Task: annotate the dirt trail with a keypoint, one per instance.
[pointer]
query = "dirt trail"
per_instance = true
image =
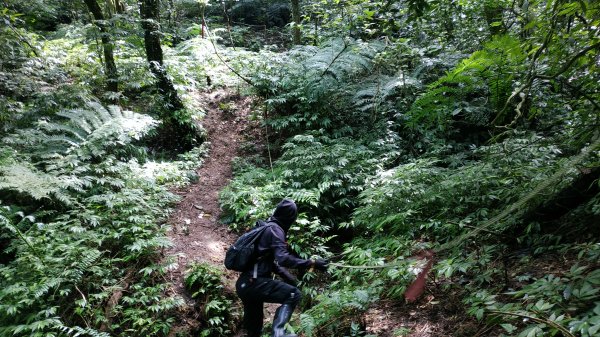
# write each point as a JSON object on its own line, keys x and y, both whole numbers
{"x": 197, "y": 234}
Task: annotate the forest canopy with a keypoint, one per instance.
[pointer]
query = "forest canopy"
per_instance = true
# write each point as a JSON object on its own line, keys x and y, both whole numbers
{"x": 467, "y": 128}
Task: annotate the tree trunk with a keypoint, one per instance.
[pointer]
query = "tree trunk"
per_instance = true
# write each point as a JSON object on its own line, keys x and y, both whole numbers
{"x": 203, "y": 23}
{"x": 119, "y": 7}
{"x": 177, "y": 131}
{"x": 226, "y": 18}
{"x": 150, "y": 23}
{"x": 296, "y": 19}
{"x": 112, "y": 81}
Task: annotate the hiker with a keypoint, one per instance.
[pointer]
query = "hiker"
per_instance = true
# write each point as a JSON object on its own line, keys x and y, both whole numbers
{"x": 256, "y": 286}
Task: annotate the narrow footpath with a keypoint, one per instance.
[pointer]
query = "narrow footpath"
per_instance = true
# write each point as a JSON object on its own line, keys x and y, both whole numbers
{"x": 197, "y": 235}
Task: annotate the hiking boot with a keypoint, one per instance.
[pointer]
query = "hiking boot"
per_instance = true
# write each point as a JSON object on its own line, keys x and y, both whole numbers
{"x": 282, "y": 316}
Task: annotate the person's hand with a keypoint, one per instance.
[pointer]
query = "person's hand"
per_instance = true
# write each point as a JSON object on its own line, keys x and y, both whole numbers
{"x": 321, "y": 264}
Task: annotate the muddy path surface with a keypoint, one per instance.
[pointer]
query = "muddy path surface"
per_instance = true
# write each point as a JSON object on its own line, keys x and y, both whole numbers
{"x": 197, "y": 234}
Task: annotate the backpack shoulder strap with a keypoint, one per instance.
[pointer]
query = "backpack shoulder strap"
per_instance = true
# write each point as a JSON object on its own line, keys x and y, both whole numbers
{"x": 263, "y": 227}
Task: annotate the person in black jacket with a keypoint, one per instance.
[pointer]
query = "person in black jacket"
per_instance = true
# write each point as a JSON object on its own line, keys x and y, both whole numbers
{"x": 256, "y": 286}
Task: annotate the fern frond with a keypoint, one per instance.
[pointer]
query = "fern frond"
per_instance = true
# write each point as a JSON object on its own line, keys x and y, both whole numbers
{"x": 35, "y": 327}
{"x": 81, "y": 118}
{"x": 96, "y": 129}
{"x": 45, "y": 286}
{"x": 91, "y": 256}
{"x": 339, "y": 59}
{"x": 106, "y": 114}
{"x": 465, "y": 90}
{"x": 84, "y": 119}
{"x": 65, "y": 129}
{"x": 28, "y": 180}
{"x": 79, "y": 331}
{"x": 62, "y": 139}
{"x": 380, "y": 88}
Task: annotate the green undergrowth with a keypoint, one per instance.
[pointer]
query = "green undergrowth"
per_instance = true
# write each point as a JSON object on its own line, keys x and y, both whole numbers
{"x": 412, "y": 160}
{"x": 84, "y": 197}
{"x": 82, "y": 228}
{"x": 205, "y": 285}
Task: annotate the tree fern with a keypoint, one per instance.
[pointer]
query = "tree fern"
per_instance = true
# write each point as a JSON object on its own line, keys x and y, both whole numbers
{"x": 483, "y": 81}
{"x": 59, "y": 155}
{"x": 90, "y": 132}
{"x": 315, "y": 83}
{"x": 371, "y": 95}
{"x": 340, "y": 58}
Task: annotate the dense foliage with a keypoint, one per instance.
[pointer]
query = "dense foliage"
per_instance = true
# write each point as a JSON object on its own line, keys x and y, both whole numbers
{"x": 204, "y": 283}
{"x": 471, "y": 128}
{"x": 75, "y": 216}
{"x": 455, "y": 126}
{"x": 84, "y": 195}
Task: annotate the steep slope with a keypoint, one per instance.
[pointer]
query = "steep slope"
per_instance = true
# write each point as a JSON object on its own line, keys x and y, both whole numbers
{"x": 197, "y": 235}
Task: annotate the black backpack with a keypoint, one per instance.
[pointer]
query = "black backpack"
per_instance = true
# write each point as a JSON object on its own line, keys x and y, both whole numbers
{"x": 243, "y": 253}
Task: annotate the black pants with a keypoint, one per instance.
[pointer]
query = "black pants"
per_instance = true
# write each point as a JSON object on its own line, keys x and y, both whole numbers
{"x": 255, "y": 292}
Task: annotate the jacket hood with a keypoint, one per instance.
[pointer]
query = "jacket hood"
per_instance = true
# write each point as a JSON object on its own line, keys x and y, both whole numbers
{"x": 285, "y": 213}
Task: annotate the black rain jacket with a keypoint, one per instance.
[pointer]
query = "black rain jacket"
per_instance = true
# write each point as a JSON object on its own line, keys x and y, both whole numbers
{"x": 273, "y": 253}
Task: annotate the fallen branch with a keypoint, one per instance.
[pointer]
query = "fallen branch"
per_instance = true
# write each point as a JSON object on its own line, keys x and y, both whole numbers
{"x": 535, "y": 319}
